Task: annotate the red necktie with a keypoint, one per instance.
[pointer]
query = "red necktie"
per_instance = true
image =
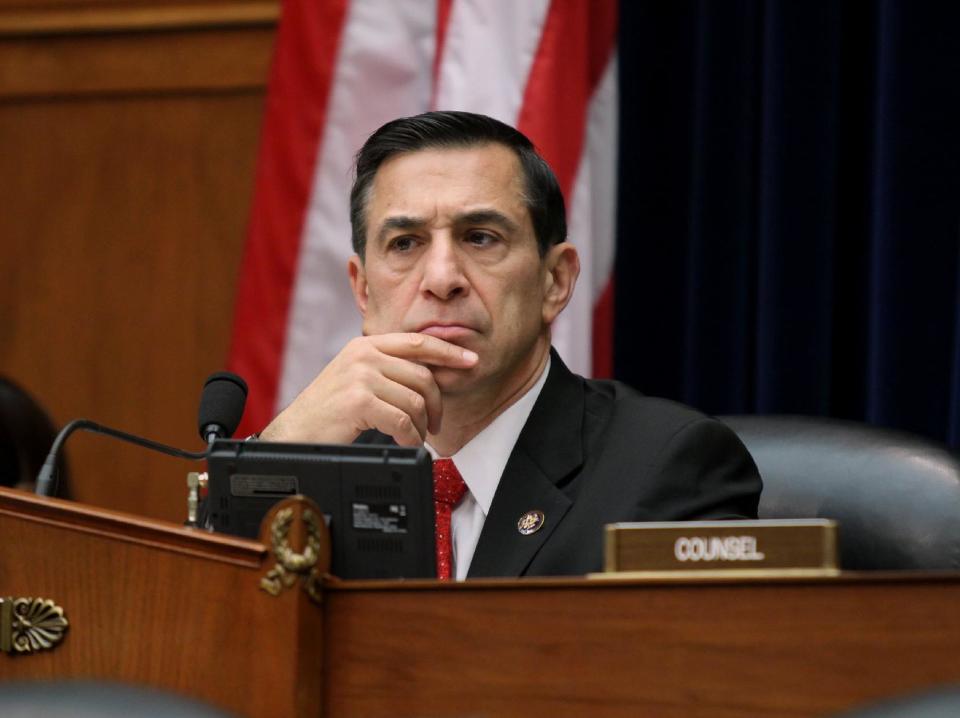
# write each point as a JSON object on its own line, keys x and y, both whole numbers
{"x": 448, "y": 489}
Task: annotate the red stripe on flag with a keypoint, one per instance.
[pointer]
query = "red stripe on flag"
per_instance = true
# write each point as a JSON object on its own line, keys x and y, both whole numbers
{"x": 301, "y": 77}
{"x": 443, "y": 22}
{"x": 603, "y": 333}
{"x": 566, "y": 71}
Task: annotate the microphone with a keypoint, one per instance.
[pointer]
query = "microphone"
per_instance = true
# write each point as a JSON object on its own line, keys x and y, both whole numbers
{"x": 221, "y": 406}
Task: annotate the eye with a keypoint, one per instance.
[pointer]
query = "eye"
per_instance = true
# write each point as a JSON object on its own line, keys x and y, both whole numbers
{"x": 401, "y": 244}
{"x": 481, "y": 238}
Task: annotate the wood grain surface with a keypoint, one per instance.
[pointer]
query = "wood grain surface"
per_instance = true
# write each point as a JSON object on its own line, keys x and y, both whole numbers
{"x": 153, "y": 603}
{"x": 150, "y": 602}
{"x": 126, "y": 172}
{"x": 684, "y": 649}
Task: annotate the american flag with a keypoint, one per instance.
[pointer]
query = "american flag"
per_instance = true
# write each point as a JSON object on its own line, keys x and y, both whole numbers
{"x": 342, "y": 68}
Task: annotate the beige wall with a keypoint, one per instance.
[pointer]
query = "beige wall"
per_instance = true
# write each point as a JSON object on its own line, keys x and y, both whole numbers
{"x": 128, "y": 135}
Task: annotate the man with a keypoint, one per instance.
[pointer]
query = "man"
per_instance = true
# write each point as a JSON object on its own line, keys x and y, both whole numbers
{"x": 461, "y": 266}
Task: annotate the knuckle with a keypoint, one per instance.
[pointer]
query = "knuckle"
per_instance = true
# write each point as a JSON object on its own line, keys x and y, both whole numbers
{"x": 419, "y": 404}
{"x": 403, "y": 423}
{"x": 423, "y": 374}
{"x": 416, "y": 340}
{"x": 359, "y": 398}
{"x": 363, "y": 373}
{"x": 355, "y": 348}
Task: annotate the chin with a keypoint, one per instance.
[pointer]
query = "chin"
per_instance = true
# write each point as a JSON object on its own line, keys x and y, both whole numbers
{"x": 453, "y": 381}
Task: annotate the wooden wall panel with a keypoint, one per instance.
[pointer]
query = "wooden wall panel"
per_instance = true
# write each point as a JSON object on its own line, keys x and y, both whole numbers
{"x": 128, "y": 135}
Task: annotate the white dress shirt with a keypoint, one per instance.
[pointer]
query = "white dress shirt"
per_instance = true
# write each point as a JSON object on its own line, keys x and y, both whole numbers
{"x": 481, "y": 462}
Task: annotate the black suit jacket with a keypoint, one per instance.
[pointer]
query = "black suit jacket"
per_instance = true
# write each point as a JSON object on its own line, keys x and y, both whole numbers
{"x": 597, "y": 452}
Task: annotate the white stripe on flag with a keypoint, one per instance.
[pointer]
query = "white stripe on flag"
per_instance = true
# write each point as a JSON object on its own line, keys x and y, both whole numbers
{"x": 592, "y": 212}
{"x": 384, "y": 71}
{"x": 489, "y": 48}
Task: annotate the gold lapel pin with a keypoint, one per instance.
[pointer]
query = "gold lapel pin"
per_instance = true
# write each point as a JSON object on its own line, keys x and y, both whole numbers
{"x": 530, "y": 522}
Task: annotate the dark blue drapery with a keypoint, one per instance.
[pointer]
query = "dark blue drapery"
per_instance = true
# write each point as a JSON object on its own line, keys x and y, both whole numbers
{"x": 789, "y": 208}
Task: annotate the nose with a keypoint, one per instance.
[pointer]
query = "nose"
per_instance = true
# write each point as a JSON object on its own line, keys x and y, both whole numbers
{"x": 443, "y": 275}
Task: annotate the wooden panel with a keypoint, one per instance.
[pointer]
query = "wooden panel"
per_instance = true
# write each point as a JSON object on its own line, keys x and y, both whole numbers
{"x": 126, "y": 171}
{"x": 154, "y": 604}
{"x": 672, "y": 650}
{"x": 135, "y": 62}
{"x": 85, "y": 17}
{"x": 144, "y": 8}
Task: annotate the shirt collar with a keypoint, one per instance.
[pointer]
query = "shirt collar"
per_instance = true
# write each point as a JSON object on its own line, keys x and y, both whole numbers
{"x": 481, "y": 460}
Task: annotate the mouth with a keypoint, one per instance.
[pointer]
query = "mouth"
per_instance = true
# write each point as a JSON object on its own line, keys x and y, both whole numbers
{"x": 448, "y": 332}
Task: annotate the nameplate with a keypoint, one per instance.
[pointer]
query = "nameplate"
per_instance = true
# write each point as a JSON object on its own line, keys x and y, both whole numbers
{"x": 695, "y": 546}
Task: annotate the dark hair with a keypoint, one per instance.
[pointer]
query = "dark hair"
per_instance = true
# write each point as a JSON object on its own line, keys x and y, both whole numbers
{"x": 26, "y": 434}
{"x": 431, "y": 130}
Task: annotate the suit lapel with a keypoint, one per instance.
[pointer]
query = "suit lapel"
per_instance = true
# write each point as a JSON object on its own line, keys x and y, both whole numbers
{"x": 548, "y": 449}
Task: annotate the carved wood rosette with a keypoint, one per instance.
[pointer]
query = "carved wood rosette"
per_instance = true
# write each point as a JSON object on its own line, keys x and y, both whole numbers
{"x": 28, "y": 625}
{"x": 296, "y": 522}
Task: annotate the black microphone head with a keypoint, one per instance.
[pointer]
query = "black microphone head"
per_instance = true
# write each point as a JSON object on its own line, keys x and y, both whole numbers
{"x": 221, "y": 404}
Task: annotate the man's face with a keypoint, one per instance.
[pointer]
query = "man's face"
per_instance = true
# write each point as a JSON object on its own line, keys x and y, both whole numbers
{"x": 451, "y": 252}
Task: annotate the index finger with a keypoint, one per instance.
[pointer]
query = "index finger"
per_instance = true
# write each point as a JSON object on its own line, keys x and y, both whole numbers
{"x": 425, "y": 349}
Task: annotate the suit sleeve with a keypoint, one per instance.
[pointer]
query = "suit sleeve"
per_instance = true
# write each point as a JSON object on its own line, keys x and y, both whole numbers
{"x": 710, "y": 473}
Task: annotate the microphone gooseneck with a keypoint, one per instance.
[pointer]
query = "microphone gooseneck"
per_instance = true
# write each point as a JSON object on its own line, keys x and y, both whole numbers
{"x": 46, "y": 479}
{"x": 221, "y": 407}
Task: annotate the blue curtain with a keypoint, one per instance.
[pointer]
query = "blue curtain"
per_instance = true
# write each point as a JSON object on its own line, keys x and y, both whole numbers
{"x": 789, "y": 209}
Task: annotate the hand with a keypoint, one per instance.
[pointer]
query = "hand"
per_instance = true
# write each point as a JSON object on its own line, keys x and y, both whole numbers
{"x": 378, "y": 382}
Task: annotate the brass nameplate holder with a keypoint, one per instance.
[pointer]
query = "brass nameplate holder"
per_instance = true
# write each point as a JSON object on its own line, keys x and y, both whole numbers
{"x": 723, "y": 548}
{"x": 28, "y": 625}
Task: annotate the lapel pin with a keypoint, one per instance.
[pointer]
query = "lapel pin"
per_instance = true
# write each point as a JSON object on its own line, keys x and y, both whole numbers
{"x": 530, "y": 522}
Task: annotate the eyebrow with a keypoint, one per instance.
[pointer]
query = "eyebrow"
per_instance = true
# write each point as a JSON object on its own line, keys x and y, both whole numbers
{"x": 487, "y": 216}
{"x": 402, "y": 222}
{"x": 480, "y": 216}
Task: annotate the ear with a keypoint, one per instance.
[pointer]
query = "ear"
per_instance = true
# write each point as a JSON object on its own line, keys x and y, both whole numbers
{"x": 561, "y": 268}
{"x": 358, "y": 283}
